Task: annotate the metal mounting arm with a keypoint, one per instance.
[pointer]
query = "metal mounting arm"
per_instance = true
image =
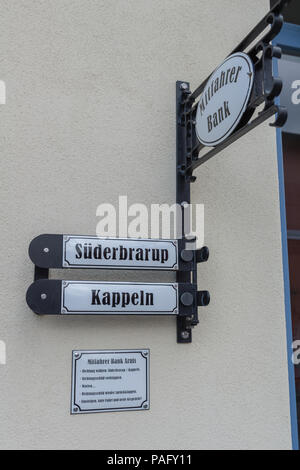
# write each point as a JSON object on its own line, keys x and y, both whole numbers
{"x": 189, "y": 150}
{"x": 266, "y": 88}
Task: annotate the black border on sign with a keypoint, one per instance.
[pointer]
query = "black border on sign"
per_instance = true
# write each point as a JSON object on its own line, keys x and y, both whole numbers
{"x": 124, "y": 266}
{"x": 110, "y": 351}
{"x": 250, "y": 86}
{"x": 118, "y": 312}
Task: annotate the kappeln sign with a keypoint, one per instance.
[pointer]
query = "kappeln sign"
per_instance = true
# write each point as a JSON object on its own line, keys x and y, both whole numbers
{"x": 118, "y": 297}
{"x": 56, "y": 297}
{"x": 224, "y": 99}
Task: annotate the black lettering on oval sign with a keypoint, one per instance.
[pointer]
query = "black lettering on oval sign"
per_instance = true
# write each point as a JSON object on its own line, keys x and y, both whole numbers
{"x": 224, "y": 99}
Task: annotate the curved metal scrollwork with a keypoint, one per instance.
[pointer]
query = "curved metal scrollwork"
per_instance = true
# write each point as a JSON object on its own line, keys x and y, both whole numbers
{"x": 265, "y": 89}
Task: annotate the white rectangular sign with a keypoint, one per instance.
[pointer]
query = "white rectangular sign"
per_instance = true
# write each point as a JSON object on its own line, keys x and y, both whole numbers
{"x": 121, "y": 253}
{"x": 118, "y": 298}
{"x": 110, "y": 380}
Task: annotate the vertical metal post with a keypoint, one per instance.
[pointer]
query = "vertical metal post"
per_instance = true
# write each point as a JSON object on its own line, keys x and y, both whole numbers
{"x": 184, "y": 333}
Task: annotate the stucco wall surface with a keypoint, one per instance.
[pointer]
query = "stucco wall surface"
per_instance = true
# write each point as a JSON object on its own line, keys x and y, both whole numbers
{"x": 90, "y": 115}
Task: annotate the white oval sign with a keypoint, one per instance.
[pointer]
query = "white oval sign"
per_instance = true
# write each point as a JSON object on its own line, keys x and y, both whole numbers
{"x": 224, "y": 99}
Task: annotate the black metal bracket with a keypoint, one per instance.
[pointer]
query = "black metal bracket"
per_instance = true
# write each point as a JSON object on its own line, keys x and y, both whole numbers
{"x": 44, "y": 296}
{"x": 189, "y": 150}
{"x": 265, "y": 89}
{"x": 183, "y": 197}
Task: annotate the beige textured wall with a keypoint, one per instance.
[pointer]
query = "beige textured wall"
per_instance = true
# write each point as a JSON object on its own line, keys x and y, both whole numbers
{"x": 90, "y": 116}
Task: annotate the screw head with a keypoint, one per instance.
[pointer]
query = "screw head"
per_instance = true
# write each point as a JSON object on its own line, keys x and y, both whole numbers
{"x": 43, "y": 296}
{"x": 145, "y": 406}
{"x": 75, "y": 410}
{"x": 46, "y": 250}
{"x": 184, "y": 86}
{"x": 185, "y": 335}
{"x": 76, "y": 354}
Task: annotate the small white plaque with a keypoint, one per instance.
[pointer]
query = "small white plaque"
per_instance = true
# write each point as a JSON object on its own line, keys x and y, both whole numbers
{"x": 110, "y": 380}
{"x": 121, "y": 253}
{"x": 79, "y": 297}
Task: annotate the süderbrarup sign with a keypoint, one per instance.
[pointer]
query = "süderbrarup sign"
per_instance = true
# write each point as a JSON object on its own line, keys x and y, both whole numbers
{"x": 224, "y": 99}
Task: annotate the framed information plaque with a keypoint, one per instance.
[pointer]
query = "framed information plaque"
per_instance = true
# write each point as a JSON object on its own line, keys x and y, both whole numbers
{"x": 110, "y": 380}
